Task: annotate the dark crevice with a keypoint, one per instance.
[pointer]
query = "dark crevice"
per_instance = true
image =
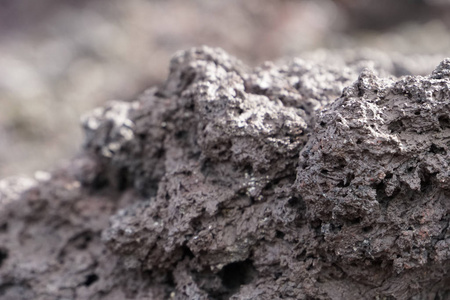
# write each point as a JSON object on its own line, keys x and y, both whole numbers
{"x": 444, "y": 122}
{"x": 381, "y": 197}
{"x": 180, "y": 135}
{"x": 367, "y": 229}
{"x": 361, "y": 90}
{"x": 100, "y": 182}
{"x": 355, "y": 221}
{"x": 187, "y": 252}
{"x": 90, "y": 279}
{"x": 346, "y": 182}
{"x": 437, "y": 149}
{"x": 160, "y": 153}
{"x": 82, "y": 240}
{"x": 122, "y": 179}
{"x": 186, "y": 79}
{"x": 279, "y": 234}
{"x": 273, "y": 183}
{"x": 248, "y": 168}
{"x": 335, "y": 228}
{"x": 170, "y": 281}
{"x": 297, "y": 203}
{"x": 3, "y": 256}
{"x": 426, "y": 181}
{"x": 396, "y": 126}
{"x": 236, "y": 274}
{"x": 225, "y": 283}
{"x": 301, "y": 256}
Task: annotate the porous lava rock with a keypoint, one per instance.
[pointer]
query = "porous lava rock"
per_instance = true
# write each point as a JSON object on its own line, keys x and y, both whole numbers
{"x": 307, "y": 179}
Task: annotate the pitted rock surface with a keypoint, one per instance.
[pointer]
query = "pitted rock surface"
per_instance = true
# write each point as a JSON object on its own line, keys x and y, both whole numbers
{"x": 307, "y": 179}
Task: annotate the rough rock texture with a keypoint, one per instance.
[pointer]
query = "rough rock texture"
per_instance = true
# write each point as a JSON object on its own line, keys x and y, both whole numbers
{"x": 238, "y": 183}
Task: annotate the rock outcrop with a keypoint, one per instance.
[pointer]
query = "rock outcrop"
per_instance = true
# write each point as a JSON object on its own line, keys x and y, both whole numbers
{"x": 321, "y": 179}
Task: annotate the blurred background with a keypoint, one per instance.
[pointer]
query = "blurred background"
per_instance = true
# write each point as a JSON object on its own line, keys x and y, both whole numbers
{"x": 60, "y": 58}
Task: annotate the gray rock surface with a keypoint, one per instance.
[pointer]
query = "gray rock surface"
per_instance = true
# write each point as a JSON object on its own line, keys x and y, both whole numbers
{"x": 308, "y": 179}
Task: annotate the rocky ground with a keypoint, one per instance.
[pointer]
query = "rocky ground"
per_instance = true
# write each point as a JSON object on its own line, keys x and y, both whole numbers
{"x": 232, "y": 182}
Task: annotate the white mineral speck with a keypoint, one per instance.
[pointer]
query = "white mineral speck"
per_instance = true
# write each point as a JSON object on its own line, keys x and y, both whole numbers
{"x": 127, "y": 133}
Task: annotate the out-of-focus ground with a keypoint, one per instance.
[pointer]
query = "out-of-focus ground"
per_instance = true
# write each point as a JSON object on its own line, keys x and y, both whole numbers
{"x": 59, "y": 59}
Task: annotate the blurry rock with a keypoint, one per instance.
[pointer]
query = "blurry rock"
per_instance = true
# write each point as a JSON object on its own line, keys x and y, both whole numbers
{"x": 385, "y": 14}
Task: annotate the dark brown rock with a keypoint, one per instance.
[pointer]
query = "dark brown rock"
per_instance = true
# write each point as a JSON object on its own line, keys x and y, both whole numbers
{"x": 232, "y": 183}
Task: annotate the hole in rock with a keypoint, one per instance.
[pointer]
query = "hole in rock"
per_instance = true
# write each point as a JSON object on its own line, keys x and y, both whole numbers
{"x": 367, "y": 229}
{"x": 122, "y": 179}
{"x": 160, "y": 153}
{"x": 82, "y": 240}
{"x": 381, "y": 197}
{"x": 437, "y": 150}
{"x": 3, "y": 255}
{"x": 238, "y": 273}
{"x": 170, "y": 280}
{"x": 90, "y": 279}
{"x": 101, "y": 181}
{"x": 182, "y": 134}
{"x": 355, "y": 221}
{"x": 278, "y": 182}
{"x": 299, "y": 205}
{"x": 279, "y": 234}
{"x": 187, "y": 78}
{"x": 187, "y": 252}
{"x": 277, "y": 275}
{"x": 396, "y": 126}
{"x": 340, "y": 164}
{"x": 444, "y": 122}
{"x": 248, "y": 168}
{"x": 426, "y": 182}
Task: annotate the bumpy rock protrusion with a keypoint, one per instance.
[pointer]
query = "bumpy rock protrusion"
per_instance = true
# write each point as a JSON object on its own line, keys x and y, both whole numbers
{"x": 375, "y": 179}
